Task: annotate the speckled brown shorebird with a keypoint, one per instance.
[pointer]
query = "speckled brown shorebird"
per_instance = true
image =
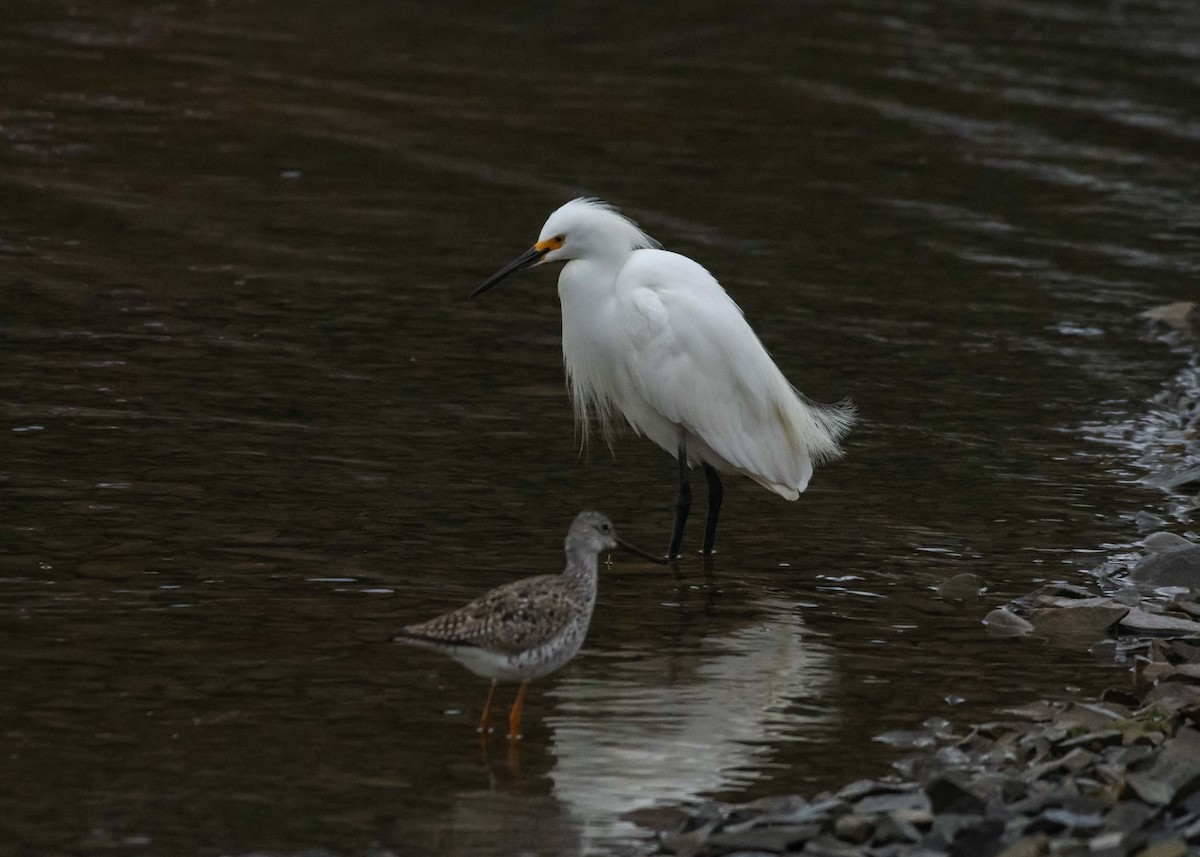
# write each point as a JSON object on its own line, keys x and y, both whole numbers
{"x": 528, "y": 628}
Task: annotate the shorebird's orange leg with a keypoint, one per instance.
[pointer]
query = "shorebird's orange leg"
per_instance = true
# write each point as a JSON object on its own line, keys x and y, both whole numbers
{"x": 514, "y": 716}
{"x": 485, "y": 722}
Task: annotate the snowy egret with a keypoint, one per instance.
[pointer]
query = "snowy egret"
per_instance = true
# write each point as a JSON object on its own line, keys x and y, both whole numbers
{"x": 528, "y": 628}
{"x": 652, "y": 335}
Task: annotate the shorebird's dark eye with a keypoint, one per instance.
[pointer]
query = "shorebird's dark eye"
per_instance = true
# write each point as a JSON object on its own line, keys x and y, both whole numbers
{"x": 604, "y": 528}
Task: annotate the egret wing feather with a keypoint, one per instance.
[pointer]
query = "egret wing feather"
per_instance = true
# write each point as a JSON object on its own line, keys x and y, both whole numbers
{"x": 682, "y": 356}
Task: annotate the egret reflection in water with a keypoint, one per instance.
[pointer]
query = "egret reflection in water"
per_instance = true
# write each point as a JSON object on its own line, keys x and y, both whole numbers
{"x": 649, "y": 729}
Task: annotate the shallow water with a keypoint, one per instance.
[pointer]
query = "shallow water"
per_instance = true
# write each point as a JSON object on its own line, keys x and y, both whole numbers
{"x": 252, "y": 425}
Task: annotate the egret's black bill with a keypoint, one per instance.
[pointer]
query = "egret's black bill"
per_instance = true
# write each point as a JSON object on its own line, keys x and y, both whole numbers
{"x": 634, "y": 549}
{"x": 529, "y": 257}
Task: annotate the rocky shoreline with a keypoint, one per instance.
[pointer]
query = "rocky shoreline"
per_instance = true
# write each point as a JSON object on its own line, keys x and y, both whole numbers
{"x": 1115, "y": 777}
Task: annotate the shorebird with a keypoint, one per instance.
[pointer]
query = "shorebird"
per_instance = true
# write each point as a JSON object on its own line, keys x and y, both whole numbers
{"x": 528, "y": 628}
{"x": 651, "y": 335}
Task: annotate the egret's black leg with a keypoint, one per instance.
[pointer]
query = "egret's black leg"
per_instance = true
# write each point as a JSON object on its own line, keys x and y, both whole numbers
{"x": 682, "y": 506}
{"x": 715, "y": 494}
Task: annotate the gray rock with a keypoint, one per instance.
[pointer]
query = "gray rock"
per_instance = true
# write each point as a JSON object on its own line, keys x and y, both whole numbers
{"x": 894, "y": 802}
{"x": 1127, "y": 817}
{"x": 1068, "y": 601}
{"x": 947, "y": 827}
{"x": 1100, "y": 738}
{"x": 854, "y": 827}
{"x": 862, "y": 788}
{"x": 1173, "y": 847}
{"x": 1180, "y": 315}
{"x": 907, "y": 739}
{"x": 891, "y": 829}
{"x": 1138, "y": 621}
{"x": 1110, "y": 844}
{"x": 1090, "y": 620}
{"x": 826, "y": 846}
{"x": 1178, "y": 566}
{"x": 1058, "y": 587}
{"x": 1170, "y": 479}
{"x": 1145, "y": 522}
{"x": 1078, "y": 760}
{"x": 1164, "y": 541}
{"x": 961, "y": 587}
{"x": 1027, "y": 846}
{"x": 1074, "y": 821}
{"x": 771, "y": 839}
{"x": 818, "y": 811}
{"x": 1187, "y": 605}
{"x": 1002, "y": 622}
{"x": 952, "y": 793}
{"x": 1175, "y": 772}
{"x": 982, "y": 837}
{"x": 779, "y": 806}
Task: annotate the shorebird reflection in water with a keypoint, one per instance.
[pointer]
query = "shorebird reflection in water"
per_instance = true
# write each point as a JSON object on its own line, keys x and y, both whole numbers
{"x": 528, "y": 628}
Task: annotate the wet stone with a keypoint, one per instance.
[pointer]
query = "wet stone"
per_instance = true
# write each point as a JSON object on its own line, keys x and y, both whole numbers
{"x": 1174, "y": 696}
{"x": 1077, "y": 760}
{"x": 775, "y": 840}
{"x": 1058, "y": 587}
{"x": 891, "y": 803}
{"x": 952, "y": 793}
{"x": 854, "y": 827}
{"x": 1035, "y": 711}
{"x": 1187, "y": 605}
{"x": 782, "y": 806}
{"x": 892, "y": 829}
{"x": 1178, "y": 566}
{"x": 1027, "y": 846}
{"x": 1074, "y": 821}
{"x": 1164, "y": 541}
{"x": 818, "y": 811}
{"x": 827, "y": 846}
{"x": 1089, "y": 620}
{"x": 1175, "y": 773}
{"x": 1138, "y": 621}
{"x": 947, "y": 827}
{"x": 1002, "y": 622}
{"x": 979, "y": 838}
{"x": 1180, "y": 316}
{"x": 1093, "y": 740}
{"x": 862, "y": 788}
{"x": 1173, "y": 847}
{"x": 961, "y": 587}
{"x": 1111, "y": 844}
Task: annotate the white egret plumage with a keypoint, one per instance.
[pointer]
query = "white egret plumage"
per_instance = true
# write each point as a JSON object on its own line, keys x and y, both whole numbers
{"x": 651, "y": 335}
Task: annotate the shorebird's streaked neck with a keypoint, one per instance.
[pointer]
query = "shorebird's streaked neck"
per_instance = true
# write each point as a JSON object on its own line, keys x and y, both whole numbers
{"x": 582, "y": 563}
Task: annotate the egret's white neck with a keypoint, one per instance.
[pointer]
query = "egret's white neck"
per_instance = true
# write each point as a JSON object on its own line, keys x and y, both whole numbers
{"x": 593, "y": 277}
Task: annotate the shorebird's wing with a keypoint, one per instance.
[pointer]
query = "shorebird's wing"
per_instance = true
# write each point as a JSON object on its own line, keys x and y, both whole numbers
{"x": 510, "y": 619}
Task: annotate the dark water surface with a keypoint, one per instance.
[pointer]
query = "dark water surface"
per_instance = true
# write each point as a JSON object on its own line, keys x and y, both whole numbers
{"x": 250, "y": 424}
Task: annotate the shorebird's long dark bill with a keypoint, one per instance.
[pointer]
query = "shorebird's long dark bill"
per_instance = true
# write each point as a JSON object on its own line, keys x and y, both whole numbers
{"x": 634, "y": 549}
{"x": 530, "y": 257}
